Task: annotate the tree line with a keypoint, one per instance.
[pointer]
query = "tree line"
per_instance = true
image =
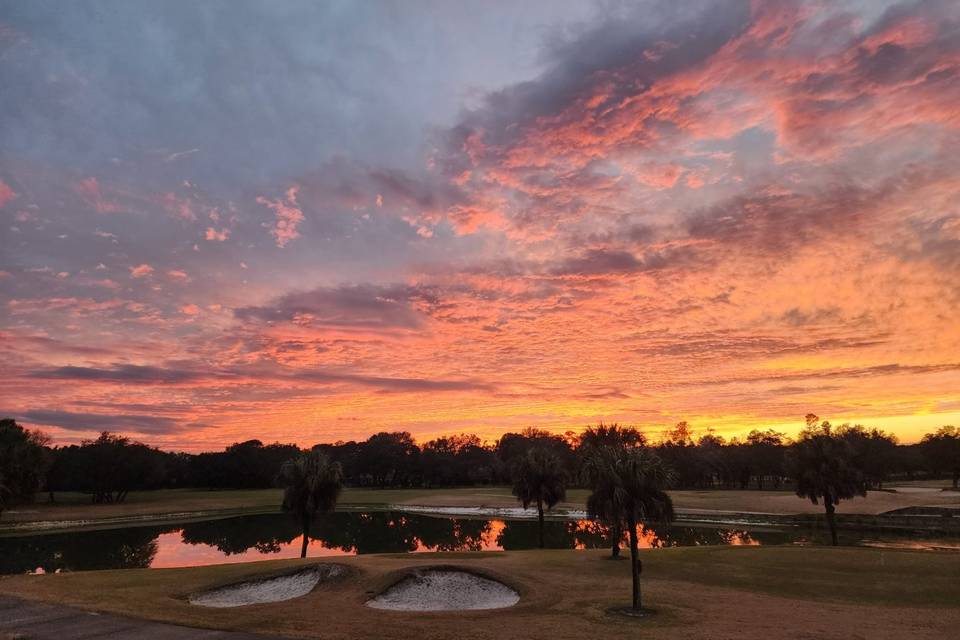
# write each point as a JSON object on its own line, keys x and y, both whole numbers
{"x": 110, "y": 466}
{"x": 628, "y": 477}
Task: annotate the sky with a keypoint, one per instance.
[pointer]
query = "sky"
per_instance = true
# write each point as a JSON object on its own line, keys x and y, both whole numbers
{"x": 312, "y": 221}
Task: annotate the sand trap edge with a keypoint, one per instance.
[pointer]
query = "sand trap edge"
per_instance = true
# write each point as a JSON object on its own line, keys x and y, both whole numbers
{"x": 325, "y": 574}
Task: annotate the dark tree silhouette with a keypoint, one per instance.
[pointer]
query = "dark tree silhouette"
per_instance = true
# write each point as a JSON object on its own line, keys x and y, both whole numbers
{"x": 765, "y": 450}
{"x": 112, "y": 465}
{"x": 311, "y": 484}
{"x": 389, "y": 459}
{"x": 942, "y": 450}
{"x": 4, "y": 494}
{"x": 23, "y": 462}
{"x": 874, "y": 452}
{"x": 539, "y": 478}
{"x": 822, "y": 464}
{"x": 629, "y": 485}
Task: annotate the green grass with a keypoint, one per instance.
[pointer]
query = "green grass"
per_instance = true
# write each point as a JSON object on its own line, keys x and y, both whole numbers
{"x": 768, "y": 592}
{"x": 842, "y": 574}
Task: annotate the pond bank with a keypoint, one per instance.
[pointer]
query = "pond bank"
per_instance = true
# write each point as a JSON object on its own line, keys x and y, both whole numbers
{"x": 713, "y": 506}
{"x": 944, "y": 520}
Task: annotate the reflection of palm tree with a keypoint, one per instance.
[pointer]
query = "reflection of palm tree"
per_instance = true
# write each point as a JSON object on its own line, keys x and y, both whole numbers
{"x": 539, "y": 479}
{"x": 267, "y": 533}
{"x": 311, "y": 484}
{"x": 525, "y": 534}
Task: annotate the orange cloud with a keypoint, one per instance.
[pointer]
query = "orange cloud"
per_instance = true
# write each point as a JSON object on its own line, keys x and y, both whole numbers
{"x": 141, "y": 271}
{"x": 217, "y": 236}
{"x": 6, "y": 194}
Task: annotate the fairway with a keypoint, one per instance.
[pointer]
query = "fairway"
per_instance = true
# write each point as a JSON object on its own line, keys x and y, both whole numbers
{"x": 72, "y": 510}
{"x": 772, "y": 592}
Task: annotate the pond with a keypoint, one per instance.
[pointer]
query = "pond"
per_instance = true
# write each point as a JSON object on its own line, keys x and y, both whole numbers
{"x": 259, "y": 537}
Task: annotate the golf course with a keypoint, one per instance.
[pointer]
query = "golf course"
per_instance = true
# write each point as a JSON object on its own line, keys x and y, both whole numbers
{"x": 728, "y": 592}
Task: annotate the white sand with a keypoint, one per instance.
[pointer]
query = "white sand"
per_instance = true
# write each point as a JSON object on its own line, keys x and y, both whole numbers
{"x": 276, "y": 589}
{"x": 445, "y": 590}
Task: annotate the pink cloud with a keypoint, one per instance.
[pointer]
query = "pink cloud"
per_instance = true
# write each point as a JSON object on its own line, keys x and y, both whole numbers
{"x": 89, "y": 190}
{"x": 288, "y": 216}
{"x": 177, "y": 274}
{"x": 179, "y": 207}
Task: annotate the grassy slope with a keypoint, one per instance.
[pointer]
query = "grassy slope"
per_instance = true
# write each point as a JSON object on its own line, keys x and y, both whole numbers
{"x": 715, "y": 592}
{"x": 76, "y": 507}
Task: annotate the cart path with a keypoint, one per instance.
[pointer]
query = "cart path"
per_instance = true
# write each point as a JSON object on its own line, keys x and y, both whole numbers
{"x": 40, "y": 621}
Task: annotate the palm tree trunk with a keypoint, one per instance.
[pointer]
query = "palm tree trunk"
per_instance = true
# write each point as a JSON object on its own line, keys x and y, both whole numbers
{"x": 540, "y": 518}
{"x": 306, "y": 537}
{"x": 615, "y": 536}
{"x": 634, "y": 563}
{"x": 831, "y": 520}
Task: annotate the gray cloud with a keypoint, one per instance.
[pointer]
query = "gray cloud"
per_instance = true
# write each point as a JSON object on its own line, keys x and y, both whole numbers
{"x": 150, "y": 376}
{"x": 360, "y": 306}
{"x": 598, "y": 261}
{"x": 95, "y": 80}
{"x": 154, "y": 425}
{"x": 891, "y": 369}
{"x": 393, "y": 384}
{"x": 124, "y": 373}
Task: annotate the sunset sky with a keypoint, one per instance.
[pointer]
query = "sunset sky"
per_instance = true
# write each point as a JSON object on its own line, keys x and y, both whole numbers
{"x": 313, "y": 221}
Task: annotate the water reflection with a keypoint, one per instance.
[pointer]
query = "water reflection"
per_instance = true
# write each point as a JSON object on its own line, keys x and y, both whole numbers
{"x": 248, "y": 538}
{"x": 109, "y": 549}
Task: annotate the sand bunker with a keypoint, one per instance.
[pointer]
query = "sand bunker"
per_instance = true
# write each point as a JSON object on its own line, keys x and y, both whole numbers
{"x": 274, "y": 589}
{"x": 445, "y": 590}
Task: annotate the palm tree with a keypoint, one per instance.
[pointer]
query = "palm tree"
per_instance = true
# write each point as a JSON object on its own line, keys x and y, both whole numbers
{"x": 629, "y": 487}
{"x": 821, "y": 464}
{"x": 4, "y": 492}
{"x": 592, "y": 440}
{"x": 311, "y": 484}
{"x": 539, "y": 478}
